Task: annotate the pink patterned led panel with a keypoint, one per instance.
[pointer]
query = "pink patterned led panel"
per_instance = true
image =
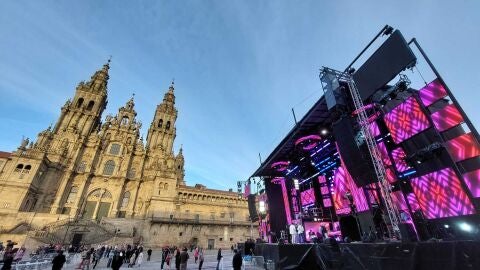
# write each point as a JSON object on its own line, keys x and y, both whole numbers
{"x": 398, "y": 156}
{"x": 463, "y": 147}
{"x": 343, "y": 184}
{"x": 447, "y": 117}
{"x": 390, "y": 176}
{"x": 412, "y": 200}
{"x": 399, "y": 200}
{"x": 384, "y": 153}
{"x": 440, "y": 195}
{"x": 472, "y": 179}
{"x": 374, "y": 129}
{"x": 324, "y": 190}
{"x": 327, "y": 202}
{"x": 406, "y": 120}
{"x": 307, "y": 197}
{"x": 432, "y": 92}
{"x": 322, "y": 179}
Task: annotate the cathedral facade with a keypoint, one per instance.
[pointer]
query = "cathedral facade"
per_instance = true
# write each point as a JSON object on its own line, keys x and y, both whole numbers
{"x": 84, "y": 168}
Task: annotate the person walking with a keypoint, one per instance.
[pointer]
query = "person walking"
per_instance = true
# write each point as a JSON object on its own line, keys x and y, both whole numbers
{"x": 140, "y": 259}
{"x": 195, "y": 254}
{"x": 219, "y": 258}
{"x": 117, "y": 259}
{"x": 58, "y": 261}
{"x": 237, "y": 260}
{"x": 149, "y": 254}
{"x": 184, "y": 259}
{"x": 201, "y": 258}
{"x": 177, "y": 259}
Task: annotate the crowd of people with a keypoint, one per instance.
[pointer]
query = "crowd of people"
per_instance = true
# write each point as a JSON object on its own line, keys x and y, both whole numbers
{"x": 125, "y": 256}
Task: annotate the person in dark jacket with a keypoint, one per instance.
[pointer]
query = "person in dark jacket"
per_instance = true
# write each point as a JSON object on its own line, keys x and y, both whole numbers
{"x": 219, "y": 258}
{"x": 58, "y": 261}
{"x": 237, "y": 260}
{"x": 184, "y": 259}
{"x": 117, "y": 260}
{"x": 177, "y": 259}
{"x": 149, "y": 253}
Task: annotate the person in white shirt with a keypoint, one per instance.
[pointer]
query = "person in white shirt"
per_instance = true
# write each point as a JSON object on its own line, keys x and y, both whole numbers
{"x": 293, "y": 233}
{"x": 300, "y": 231}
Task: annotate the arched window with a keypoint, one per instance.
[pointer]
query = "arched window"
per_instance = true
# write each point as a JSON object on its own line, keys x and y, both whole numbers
{"x": 115, "y": 149}
{"x": 90, "y": 105}
{"x": 167, "y": 126}
{"x": 126, "y": 198}
{"x": 165, "y": 186}
{"x": 28, "y": 167}
{"x": 19, "y": 168}
{"x": 109, "y": 167}
{"x": 160, "y": 123}
{"x": 72, "y": 195}
{"x": 81, "y": 166}
{"x": 125, "y": 120}
{"x": 79, "y": 102}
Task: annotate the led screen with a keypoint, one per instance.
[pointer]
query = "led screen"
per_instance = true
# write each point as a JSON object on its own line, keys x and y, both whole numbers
{"x": 398, "y": 156}
{"x": 440, "y": 195}
{"x": 463, "y": 147}
{"x": 432, "y": 92}
{"x": 447, "y": 117}
{"x": 406, "y": 120}
{"x": 472, "y": 179}
{"x": 307, "y": 197}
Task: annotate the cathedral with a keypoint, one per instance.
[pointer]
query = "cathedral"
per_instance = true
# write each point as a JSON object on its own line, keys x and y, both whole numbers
{"x": 85, "y": 180}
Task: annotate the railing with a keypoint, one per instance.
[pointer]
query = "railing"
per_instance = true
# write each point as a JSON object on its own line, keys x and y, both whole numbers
{"x": 194, "y": 221}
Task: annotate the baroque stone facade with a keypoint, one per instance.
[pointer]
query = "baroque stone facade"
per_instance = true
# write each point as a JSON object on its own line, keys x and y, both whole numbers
{"x": 86, "y": 168}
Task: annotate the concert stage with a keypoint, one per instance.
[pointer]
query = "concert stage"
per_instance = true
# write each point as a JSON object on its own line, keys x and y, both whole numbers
{"x": 447, "y": 255}
{"x": 383, "y": 154}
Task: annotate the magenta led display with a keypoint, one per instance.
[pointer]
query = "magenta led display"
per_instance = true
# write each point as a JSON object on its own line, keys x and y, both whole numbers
{"x": 440, "y": 195}
{"x": 447, "y": 117}
{"x": 472, "y": 179}
{"x": 384, "y": 153}
{"x": 406, "y": 120}
{"x": 432, "y": 92}
{"x": 307, "y": 197}
{"x": 399, "y": 156}
{"x": 412, "y": 200}
{"x": 463, "y": 147}
{"x": 343, "y": 184}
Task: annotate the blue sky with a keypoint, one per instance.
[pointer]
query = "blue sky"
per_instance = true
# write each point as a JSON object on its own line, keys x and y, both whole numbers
{"x": 239, "y": 66}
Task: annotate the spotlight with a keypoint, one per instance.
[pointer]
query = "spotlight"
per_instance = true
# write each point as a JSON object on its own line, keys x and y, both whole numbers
{"x": 351, "y": 70}
{"x": 324, "y": 131}
{"x": 446, "y": 226}
{"x": 296, "y": 184}
{"x": 465, "y": 227}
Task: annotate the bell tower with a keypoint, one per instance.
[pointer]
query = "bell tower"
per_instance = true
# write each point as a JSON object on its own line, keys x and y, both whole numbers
{"x": 162, "y": 131}
{"x": 82, "y": 114}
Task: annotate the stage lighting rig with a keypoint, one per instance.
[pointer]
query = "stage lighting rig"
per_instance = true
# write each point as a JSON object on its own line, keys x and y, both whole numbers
{"x": 424, "y": 154}
{"x": 388, "y": 30}
{"x": 383, "y": 96}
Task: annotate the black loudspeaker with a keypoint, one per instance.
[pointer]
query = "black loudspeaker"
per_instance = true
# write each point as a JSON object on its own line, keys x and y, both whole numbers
{"x": 407, "y": 232}
{"x": 354, "y": 152}
{"x": 252, "y": 208}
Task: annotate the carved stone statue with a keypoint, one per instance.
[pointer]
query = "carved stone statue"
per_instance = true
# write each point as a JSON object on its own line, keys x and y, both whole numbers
{"x": 24, "y": 143}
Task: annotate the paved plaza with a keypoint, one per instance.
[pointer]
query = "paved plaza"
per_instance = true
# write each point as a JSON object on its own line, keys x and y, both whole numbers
{"x": 156, "y": 261}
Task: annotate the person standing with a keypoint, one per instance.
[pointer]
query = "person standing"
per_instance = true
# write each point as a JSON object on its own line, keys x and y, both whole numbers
{"x": 219, "y": 258}
{"x": 293, "y": 233}
{"x": 140, "y": 259}
{"x": 58, "y": 261}
{"x": 184, "y": 259}
{"x": 237, "y": 260}
{"x": 177, "y": 259}
{"x": 201, "y": 258}
{"x": 149, "y": 254}
{"x": 117, "y": 259}
{"x": 300, "y": 232}
{"x": 195, "y": 254}
{"x": 165, "y": 252}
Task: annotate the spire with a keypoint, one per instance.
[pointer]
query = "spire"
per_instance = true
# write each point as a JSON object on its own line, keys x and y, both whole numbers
{"x": 98, "y": 82}
{"x": 169, "y": 97}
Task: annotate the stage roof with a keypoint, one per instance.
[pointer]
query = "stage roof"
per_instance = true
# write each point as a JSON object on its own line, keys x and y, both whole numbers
{"x": 315, "y": 119}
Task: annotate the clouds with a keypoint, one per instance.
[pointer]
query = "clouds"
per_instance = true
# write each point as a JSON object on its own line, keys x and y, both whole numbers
{"x": 240, "y": 66}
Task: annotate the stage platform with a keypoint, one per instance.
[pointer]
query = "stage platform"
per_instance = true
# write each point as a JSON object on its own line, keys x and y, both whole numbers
{"x": 396, "y": 255}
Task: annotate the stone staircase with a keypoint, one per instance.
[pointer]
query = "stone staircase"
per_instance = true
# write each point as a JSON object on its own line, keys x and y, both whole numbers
{"x": 63, "y": 231}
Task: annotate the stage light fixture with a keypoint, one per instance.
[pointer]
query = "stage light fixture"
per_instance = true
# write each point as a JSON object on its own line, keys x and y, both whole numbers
{"x": 465, "y": 227}
{"x": 446, "y": 226}
{"x": 388, "y": 30}
{"x": 296, "y": 184}
{"x": 324, "y": 131}
{"x": 262, "y": 207}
